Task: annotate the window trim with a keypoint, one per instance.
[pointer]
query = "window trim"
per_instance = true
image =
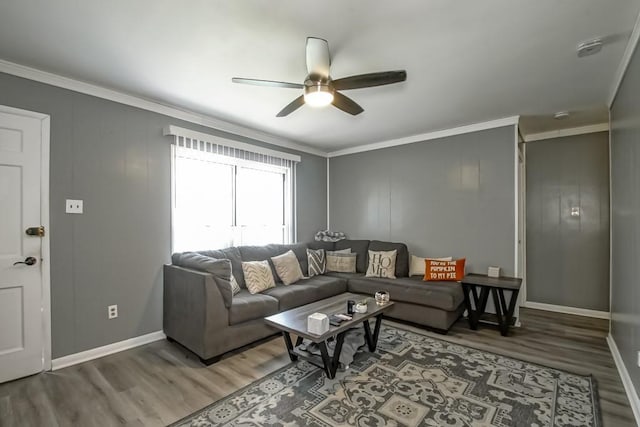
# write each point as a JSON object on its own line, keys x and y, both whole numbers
{"x": 289, "y": 226}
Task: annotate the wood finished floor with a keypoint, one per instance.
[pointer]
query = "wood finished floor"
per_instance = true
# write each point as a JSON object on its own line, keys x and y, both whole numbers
{"x": 159, "y": 383}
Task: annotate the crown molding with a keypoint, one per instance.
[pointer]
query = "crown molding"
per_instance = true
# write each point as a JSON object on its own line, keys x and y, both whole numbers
{"x": 154, "y": 106}
{"x": 513, "y": 120}
{"x": 581, "y": 130}
{"x": 624, "y": 63}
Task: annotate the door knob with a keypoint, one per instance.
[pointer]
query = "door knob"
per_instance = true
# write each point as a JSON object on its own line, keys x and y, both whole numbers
{"x": 28, "y": 261}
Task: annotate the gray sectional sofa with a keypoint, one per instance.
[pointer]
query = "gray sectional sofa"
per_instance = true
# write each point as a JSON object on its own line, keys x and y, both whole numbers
{"x": 201, "y": 314}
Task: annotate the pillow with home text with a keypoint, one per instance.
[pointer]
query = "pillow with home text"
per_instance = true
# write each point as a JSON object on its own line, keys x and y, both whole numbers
{"x": 435, "y": 270}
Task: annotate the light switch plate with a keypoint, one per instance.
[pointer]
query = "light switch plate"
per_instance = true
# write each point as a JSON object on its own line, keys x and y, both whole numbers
{"x": 74, "y": 206}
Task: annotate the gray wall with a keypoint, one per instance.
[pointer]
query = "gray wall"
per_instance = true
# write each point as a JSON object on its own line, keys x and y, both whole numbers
{"x": 568, "y": 257}
{"x": 448, "y": 197}
{"x": 625, "y": 219}
{"x": 115, "y": 158}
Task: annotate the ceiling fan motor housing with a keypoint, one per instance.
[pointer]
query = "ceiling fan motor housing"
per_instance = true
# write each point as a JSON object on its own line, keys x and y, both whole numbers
{"x": 318, "y": 90}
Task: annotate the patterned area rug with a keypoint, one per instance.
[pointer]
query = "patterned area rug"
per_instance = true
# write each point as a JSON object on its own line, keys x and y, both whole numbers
{"x": 411, "y": 380}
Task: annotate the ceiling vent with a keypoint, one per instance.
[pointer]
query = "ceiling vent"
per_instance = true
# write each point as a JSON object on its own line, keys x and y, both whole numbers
{"x": 590, "y": 47}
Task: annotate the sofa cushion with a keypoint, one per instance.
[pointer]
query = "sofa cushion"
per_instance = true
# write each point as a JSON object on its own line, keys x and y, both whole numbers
{"x": 327, "y": 246}
{"x": 293, "y": 295}
{"x": 346, "y": 276}
{"x": 402, "y": 259}
{"x": 359, "y": 247}
{"x": 247, "y": 306}
{"x": 327, "y": 286}
{"x": 233, "y": 255}
{"x": 444, "y": 295}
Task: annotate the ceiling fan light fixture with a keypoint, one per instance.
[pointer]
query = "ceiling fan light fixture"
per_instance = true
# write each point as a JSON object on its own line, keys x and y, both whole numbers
{"x": 317, "y": 94}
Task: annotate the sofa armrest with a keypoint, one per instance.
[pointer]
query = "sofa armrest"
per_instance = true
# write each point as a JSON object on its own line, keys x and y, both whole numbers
{"x": 193, "y": 307}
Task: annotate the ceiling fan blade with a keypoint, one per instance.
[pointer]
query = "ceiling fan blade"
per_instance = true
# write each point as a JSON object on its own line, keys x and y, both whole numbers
{"x": 292, "y": 106}
{"x": 370, "y": 80}
{"x": 270, "y": 83}
{"x": 318, "y": 58}
{"x": 346, "y": 104}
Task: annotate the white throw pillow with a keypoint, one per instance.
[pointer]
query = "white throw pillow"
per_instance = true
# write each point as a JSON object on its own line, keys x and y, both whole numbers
{"x": 416, "y": 265}
{"x": 258, "y": 276}
{"x": 382, "y": 264}
{"x": 287, "y": 267}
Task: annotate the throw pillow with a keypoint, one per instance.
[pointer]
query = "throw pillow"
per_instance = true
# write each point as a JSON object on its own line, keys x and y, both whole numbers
{"x": 221, "y": 269}
{"x": 382, "y": 264}
{"x": 416, "y": 264}
{"x": 235, "y": 288}
{"x": 317, "y": 262}
{"x": 287, "y": 267}
{"x": 444, "y": 270}
{"x": 341, "y": 262}
{"x": 258, "y": 276}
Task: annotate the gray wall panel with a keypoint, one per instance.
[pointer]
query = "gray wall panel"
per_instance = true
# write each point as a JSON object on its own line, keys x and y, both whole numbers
{"x": 452, "y": 196}
{"x": 568, "y": 257}
{"x": 116, "y": 159}
{"x": 625, "y": 219}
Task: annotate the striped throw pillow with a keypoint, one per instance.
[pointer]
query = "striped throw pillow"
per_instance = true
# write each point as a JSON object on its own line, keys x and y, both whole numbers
{"x": 317, "y": 262}
{"x": 258, "y": 276}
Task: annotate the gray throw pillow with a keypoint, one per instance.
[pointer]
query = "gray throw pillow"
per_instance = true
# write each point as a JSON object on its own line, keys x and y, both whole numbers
{"x": 317, "y": 262}
{"x": 219, "y": 268}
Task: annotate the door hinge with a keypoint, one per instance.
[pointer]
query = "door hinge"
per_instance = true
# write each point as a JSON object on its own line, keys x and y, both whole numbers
{"x": 35, "y": 231}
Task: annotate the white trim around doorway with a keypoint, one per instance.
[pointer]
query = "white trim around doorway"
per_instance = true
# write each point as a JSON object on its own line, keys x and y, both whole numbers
{"x": 45, "y": 129}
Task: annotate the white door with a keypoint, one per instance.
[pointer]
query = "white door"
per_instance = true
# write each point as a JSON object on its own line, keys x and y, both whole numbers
{"x": 22, "y": 327}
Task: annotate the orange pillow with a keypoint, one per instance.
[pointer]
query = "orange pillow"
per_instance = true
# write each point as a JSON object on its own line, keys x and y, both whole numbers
{"x": 443, "y": 270}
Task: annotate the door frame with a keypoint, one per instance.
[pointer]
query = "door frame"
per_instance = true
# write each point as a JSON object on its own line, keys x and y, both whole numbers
{"x": 45, "y": 264}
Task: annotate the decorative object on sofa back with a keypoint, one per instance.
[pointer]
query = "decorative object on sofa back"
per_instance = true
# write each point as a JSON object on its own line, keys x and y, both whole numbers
{"x": 329, "y": 236}
{"x": 258, "y": 276}
{"x": 287, "y": 267}
{"x": 444, "y": 270}
{"x": 317, "y": 262}
{"x": 382, "y": 264}
{"x": 416, "y": 264}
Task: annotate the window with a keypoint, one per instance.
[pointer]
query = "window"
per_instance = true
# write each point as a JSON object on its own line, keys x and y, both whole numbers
{"x": 224, "y": 196}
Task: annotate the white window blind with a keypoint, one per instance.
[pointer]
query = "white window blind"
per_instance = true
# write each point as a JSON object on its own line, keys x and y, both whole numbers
{"x": 227, "y": 193}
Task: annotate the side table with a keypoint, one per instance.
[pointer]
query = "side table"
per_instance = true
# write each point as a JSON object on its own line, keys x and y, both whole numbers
{"x": 497, "y": 286}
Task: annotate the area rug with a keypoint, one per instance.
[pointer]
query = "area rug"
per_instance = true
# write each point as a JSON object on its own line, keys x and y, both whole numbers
{"x": 411, "y": 380}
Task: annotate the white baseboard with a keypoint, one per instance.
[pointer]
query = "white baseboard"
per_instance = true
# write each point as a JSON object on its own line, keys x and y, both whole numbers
{"x": 568, "y": 310}
{"x": 632, "y": 394}
{"x": 95, "y": 353}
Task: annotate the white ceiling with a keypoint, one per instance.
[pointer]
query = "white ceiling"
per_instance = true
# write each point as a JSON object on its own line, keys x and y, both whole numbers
{"x": 467, "y": 61}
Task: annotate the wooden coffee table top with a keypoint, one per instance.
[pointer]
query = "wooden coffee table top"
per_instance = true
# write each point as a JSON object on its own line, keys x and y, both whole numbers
{"x": 295, "y": 320}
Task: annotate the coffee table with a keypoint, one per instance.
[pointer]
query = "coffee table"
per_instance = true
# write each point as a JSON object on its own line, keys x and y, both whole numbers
{"x": 295, "y": 321}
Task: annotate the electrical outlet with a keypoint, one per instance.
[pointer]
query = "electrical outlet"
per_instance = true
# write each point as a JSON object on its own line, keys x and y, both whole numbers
{"x": 73, "y": 206}
{"x": 112, "y": 311}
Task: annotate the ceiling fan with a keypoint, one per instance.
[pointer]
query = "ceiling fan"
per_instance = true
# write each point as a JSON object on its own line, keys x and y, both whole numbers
{"x": 320, "y": 89}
